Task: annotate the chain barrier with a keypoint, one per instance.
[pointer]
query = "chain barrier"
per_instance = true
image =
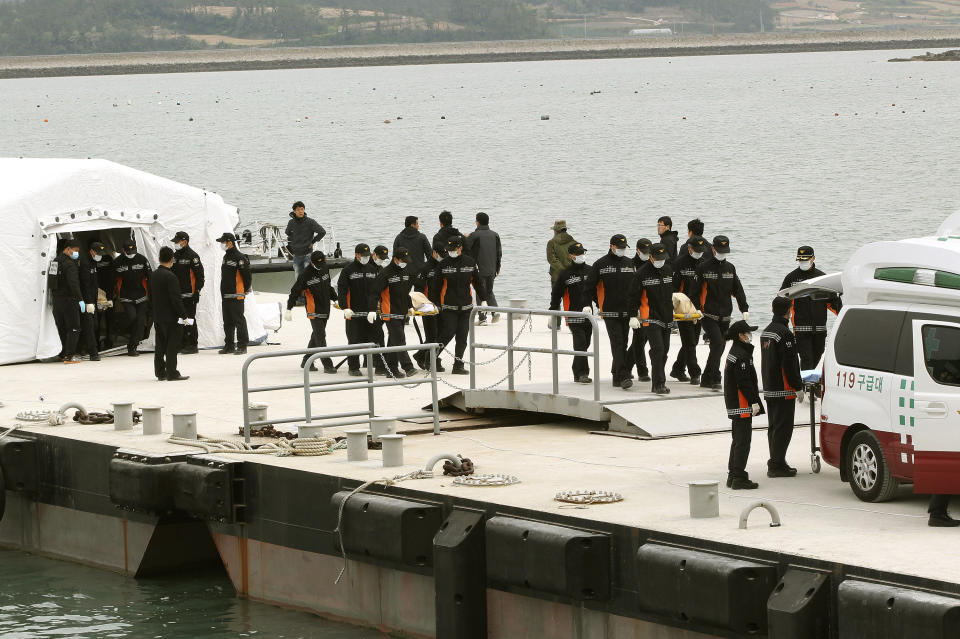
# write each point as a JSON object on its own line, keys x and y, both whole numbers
{"x": 394, "y": 377}
{"x": 527, "y": 323}
{"x": 499, "y": 381}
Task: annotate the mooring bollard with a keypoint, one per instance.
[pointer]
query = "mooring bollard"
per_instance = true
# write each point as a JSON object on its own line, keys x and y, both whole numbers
{"x": 380, "y": 426}
{"x": 309, "y": 430}
{"x": 704, "y": 500}
{"x": 151, "y": 420}
{"x": 185, "y": 425}
{"x": 357, "y": 444}
{"x": 257, "y": 411}
{"x": 122, "y": 415}
{"x": 392, "y": 450}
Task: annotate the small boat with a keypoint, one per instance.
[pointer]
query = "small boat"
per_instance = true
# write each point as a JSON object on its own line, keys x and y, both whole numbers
{"x": 270, "y": 261}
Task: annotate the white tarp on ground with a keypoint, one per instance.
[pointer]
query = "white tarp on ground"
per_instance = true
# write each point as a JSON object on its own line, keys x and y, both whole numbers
{"x": 41, "y": 198}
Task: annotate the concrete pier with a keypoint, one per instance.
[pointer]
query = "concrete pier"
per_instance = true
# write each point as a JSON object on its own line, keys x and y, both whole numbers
{"x": 422, "y": 555}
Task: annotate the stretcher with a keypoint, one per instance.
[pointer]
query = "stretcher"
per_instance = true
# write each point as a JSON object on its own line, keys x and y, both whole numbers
{"x": 688, "y": 317}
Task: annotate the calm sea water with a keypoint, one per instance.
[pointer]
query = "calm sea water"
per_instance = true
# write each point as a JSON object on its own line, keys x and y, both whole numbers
{"x": 42, "y": 598}
{"x": 829, "y": 149}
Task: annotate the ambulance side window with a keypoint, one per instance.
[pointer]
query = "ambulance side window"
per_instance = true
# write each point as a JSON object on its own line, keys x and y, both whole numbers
{"x": 941, "y": 353}
{"x": 868, "y": 338}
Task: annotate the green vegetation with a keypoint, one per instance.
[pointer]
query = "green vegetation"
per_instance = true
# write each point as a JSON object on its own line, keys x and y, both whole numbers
{"x": 42, "y": 27}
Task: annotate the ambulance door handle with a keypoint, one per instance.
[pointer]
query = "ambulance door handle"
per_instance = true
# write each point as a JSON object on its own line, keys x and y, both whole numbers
{"x": 935, "y": 409}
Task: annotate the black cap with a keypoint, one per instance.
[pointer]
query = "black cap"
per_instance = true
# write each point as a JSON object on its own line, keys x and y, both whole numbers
{"x": 576, "y": 249}
{"x": 440, "y": 246}
{"x": 401, "y": 253}
{"x": 643, "y": 245}
{"x": 97, "y": 247}
{"x": 317, "y": 257}
{"x": 362, "y": 249}
{"x": 129, "y": 246}
{"x": 381, "y": 251}
{"x": 454, "y": 242}
{"x": 738, "y": 327}
{"x": 804, "y": 253}
{"x": 721, "y": 244}
{"x": 697, "y": 243}
{"x": 781, "y": 305}
{"x": 180, "y": 236}
{"x": 227, "y": 237}
{"x": 658, "y": 252}
{"x": 618, "y": 240}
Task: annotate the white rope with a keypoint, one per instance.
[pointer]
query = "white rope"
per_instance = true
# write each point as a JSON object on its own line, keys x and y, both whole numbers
{"x": 10, "y": 430}
{"x": 416, "y": 474}
{"x": 305, "y": 447}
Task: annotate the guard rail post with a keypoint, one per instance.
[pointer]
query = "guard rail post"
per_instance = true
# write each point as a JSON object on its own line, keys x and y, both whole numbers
{"x": 510, "y": 379}
{"x": 596, "y": 355}
{"x": 433, "y": 389}
{"x": 370, "y": 379}
{"x": 473, "y": 351}
{"x": 554, "y": 322}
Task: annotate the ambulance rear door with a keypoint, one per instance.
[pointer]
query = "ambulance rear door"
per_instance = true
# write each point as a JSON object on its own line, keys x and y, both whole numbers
{"x": 936, "y": 398}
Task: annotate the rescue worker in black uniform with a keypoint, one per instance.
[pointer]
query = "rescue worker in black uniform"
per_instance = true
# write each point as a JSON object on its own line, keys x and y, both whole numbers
{"x": 67, "y": 298}
{"x": 718, "y": 283}
{"x": 106, "y": 281}
{"x": 637, "y": 353}
{"x": 456, "y": 274}
{"x": 809, "y": 316}
{"x": 611, "y": 282}
{"x": 685, "y": 281}
{"x": 316, "y": 288}
{"x": 431, "y": 323}
{"x": 235, "y": 283}
{"x": 355, "y": 294}
{"x": 668, "y": 237}
{"x": 741, "y": 395}
{"x": 653, "y": 296}
{"x": 189, "y": 271}
{"x": 133, "y": 290}
{"x": 169, "y": 318}
{"x": 381, "y": 259}
{"x": 392, "y": 288}
{"x": 89, "y": 287}
{"x": 782, "y": 386}
{"x": 572, "y": 291}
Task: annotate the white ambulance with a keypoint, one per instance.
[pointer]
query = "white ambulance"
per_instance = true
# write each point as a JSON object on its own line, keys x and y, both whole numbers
{"x": 890, "y": 412}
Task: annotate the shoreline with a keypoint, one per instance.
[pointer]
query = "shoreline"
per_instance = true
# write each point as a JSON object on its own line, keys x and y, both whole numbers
{"x": 467, "y": 52}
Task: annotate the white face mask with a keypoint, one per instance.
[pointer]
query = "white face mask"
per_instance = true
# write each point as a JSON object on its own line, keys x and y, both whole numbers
{"x": 182, "y": 245}
{"x": 697, "y": 256}
{"x": 130, "y": 254}
{"x": 402, "y": 264}
{"x": 97, "y": 258}
{"x": 620, "y": 252}
{"x": 659, "y": 263}
{"x": 721, "y": 256}
{"x": 364, "y": 259}
{"x": 749, "y": 339}
{"x": 75, "y": 255}
{"x": 379, "y": 262}
{"x": 579, "y": 259}
{"x": 806, "y": 265}
{"x": 643, "y": 256}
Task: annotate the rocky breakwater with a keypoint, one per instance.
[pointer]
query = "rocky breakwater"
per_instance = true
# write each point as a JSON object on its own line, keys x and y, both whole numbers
{"x": 947, "y": 56}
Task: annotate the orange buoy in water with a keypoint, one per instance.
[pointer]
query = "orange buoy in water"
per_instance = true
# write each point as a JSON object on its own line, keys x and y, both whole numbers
{"x": 46, "y": 120}
{"x": 386, "y": 121}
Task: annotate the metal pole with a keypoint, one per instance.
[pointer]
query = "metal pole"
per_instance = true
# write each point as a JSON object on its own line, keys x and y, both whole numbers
{"x": 370, "y": 404}
{"x": 306, "y": 391}
{"x": 433, "y": 389}
{"x": 596, "y": 357}
{"x": 244, "y": 397}
{"x": 510, "y": 380}
{"x": 554, "y": 356}
{"x": 473, "y": 352}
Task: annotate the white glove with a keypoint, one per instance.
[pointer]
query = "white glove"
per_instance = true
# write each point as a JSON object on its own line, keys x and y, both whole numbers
{"x": 756, "y": 409}
{"x": 801, "y": 396}
{"x": 182, "y": 321}
{"x": 288, "y": 315}
{"x": 91, "y": 308}
{"x": 83, "y": 307}
{"x": 372, "y": 317}
{"x": 347, "y": 313}
{"x": 190, "y": 321}
{"x": 746, "y": 316}
{"x": 588, "y": 310}
{"x": 634, "y": 323}
{"x": 483, "y": 303}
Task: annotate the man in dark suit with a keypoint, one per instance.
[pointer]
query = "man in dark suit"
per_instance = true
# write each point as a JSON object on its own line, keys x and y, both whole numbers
{"x": 169, "y": 318}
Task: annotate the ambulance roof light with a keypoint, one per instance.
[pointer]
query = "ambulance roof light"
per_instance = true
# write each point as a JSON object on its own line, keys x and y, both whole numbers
{"x": 919, "y": 276}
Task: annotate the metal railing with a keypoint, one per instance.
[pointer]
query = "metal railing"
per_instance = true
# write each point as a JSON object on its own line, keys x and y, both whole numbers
{"x": 555, "y": 351}
{"x": 370, "y": 351}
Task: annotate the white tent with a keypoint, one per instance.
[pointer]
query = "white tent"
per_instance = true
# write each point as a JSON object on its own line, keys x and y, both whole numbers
{"x": 41, "y": 199}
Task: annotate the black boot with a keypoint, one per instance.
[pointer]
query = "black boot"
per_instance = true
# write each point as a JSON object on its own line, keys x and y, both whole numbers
{"x": 942, "y": 520}
{"x": 226, "y": 350}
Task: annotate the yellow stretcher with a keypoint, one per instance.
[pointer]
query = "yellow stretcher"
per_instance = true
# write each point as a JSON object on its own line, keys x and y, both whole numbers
{"x": 688, "y": 317}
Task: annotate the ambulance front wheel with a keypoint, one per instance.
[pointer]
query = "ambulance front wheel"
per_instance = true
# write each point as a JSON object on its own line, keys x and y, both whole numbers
{"x": 868, "y": 470}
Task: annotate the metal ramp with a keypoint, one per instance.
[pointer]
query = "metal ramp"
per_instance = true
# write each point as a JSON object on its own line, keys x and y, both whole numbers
{"x": 687, "y": 410}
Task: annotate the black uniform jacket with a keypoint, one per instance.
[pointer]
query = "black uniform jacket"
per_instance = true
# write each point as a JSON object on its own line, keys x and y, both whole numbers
{"x": 669, "y": 241}
{"x": 132, "y": 278}
{"x": 317, "y": 290}
{"x": 105, "y": 276}
{"x": 779, "y": 361}
{"x": 425, "y": 279}
{"x": 88, "y": 279}
{"x": 685, "y": 277}
{"x": 809, "y": 316}
{"x": 740, "y": 389}
{"x": 189, "y": 271}
{"x": 165, "y": 288}
{"x": 68, "y": 279}
{"x": 455, "y": 275}
{"x": 355, "y": 287}
{"x": 572, "y": 289}
{"x": 235, "y": 278}
{"x": 393, "y": 286}
{"x": 653, "y": 295}
{"x": 611, "y": 283}
{"x": 719, "y": 283}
